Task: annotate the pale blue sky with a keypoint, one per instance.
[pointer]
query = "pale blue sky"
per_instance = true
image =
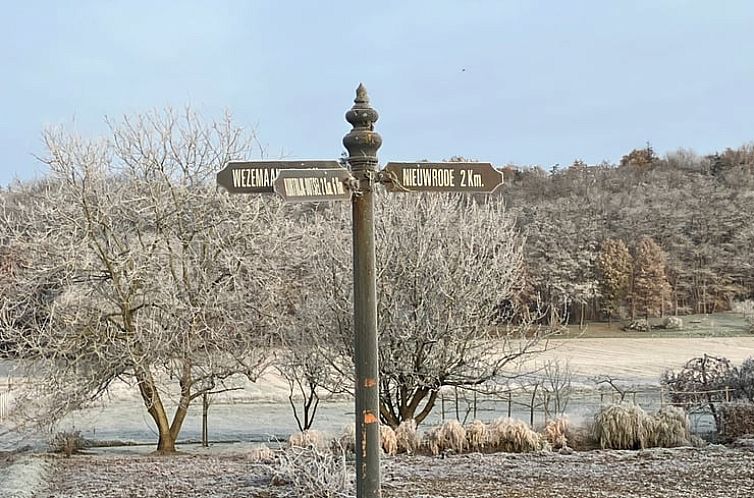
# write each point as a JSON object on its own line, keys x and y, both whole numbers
{"x": 530, "y": 82}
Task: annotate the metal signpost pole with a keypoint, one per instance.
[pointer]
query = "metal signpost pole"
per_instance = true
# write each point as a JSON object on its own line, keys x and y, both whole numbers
{"x": 323, "y": 181}
{"x": 362, "y": 144}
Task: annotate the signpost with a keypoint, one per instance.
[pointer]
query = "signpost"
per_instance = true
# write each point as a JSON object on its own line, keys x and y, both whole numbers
{"x": 315, "y": 181}
{"x": 442, "y": 177}
{"x": 257, "y": 177}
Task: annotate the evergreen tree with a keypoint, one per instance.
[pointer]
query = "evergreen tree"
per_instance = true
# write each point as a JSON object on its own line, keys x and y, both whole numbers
{"x": 614, "y": 274}
{"x": 650, "y": 286}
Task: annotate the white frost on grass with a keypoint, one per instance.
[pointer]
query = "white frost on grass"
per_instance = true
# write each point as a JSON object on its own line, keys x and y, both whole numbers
{"x": 24, "y": 477}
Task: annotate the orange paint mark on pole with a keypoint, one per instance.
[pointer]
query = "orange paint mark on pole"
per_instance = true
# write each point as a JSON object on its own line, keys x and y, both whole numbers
{"x": 369, "y": 417}
{"x": 369, "y": 383}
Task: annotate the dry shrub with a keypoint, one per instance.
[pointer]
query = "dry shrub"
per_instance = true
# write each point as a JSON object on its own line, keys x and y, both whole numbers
{"x": 477, "y": 435}
{"x": 261, "y": 454}
{"x": 68, "y": 443}
{"x": 737, "y": 420}
{"x": 406, "y": 437}
{"x": 582, "y": 438}
{"x": 449, "y": 436}
{"x": 308, "y": 438}
{"x": 621, "y": 427}
{"x": 514, "y": 436}
{"x": 668, "y": 428}
{"x": 313, "y": 473}
{"x": 557, "y": 432}
{"x": 388, "y": 440}
{"x": 347, "y": 440}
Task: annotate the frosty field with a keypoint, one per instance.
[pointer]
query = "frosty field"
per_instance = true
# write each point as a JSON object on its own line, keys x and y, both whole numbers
{"x": 715, "y": 472}
{"x": 261, "y": 410}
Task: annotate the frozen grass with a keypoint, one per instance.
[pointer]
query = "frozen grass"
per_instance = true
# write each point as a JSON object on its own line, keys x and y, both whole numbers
{"x": 24, "y": 477}
{"x": 712, "y": 472}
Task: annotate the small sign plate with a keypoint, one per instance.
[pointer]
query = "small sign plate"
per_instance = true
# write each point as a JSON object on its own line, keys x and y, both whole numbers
{"x": 312, "y": 185}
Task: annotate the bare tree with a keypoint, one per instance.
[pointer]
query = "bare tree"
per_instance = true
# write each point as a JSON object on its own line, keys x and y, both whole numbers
{"x": 136, "y": 268}
{"x": 443, "y": 265}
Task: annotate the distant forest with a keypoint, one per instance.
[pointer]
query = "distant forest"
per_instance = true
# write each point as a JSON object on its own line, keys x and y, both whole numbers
{"x": 647, "y": 237}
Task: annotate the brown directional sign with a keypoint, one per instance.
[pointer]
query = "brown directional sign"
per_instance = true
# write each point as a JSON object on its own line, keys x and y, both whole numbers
{"x": 312, "y": 185}
{"x": 257, "y": 177}
{"x": 442, "y": 177}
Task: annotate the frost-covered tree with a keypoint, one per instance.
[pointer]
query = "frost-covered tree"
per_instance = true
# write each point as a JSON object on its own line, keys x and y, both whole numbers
{"x": 650, "y": 286}
{"x": 136, "y": 268}
{"x": 443, "y": 265}
{"x": 614, "y": 274}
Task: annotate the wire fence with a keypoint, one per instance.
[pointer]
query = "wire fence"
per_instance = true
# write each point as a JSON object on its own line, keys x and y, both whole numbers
{"x": 538, "y": 406}
{"x": 4, "y": 405}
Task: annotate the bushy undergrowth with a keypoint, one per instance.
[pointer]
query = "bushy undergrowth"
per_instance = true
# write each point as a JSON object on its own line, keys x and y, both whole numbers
{"x": 737, "y": 420}
{"x": 313, "y": 472}
{"x": 68, "y": 442}
{"x": 629, "y": 427}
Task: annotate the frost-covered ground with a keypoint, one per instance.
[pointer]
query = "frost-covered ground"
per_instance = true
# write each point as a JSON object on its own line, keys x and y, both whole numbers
{"x": 714, "y": 471}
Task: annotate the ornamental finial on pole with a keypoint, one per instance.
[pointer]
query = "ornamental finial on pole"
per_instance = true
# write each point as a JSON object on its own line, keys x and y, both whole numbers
{"x": 362, "y": 141}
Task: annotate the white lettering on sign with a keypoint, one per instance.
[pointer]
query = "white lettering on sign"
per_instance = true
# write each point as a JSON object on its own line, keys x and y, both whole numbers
{"x": 313, "y": 187}
{"x": 429, "y": 177}
{"x": 254, "y": 177}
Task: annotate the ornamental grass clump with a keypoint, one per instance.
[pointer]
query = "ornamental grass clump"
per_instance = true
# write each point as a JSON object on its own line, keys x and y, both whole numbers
{"x": 557, "y": 432}
{"x": 668, "y": 428}
{"x": 628, "y": 427}
{"x": 621, "y": 427}
{"x": 450, "y": 436}
{"x": 388, "y": 441}
{"x": 477, "y": 436}
{"x": 406, "y": 437}
{"x": 515, "y": 436}
{"x": 308, "y": 438}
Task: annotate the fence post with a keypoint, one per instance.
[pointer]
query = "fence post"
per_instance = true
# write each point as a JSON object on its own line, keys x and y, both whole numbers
{"x": 442, "y": 406}
{"x": 458, "y": 414}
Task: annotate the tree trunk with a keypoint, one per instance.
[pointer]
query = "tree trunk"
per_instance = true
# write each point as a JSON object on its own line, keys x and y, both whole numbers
{"x": 205, "y": 431}
{"x": 408, "y": 406}
{"x": 155, "y": 408}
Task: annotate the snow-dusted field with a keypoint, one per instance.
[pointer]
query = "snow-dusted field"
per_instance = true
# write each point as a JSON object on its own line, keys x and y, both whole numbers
{"x": 661, "y": 473}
